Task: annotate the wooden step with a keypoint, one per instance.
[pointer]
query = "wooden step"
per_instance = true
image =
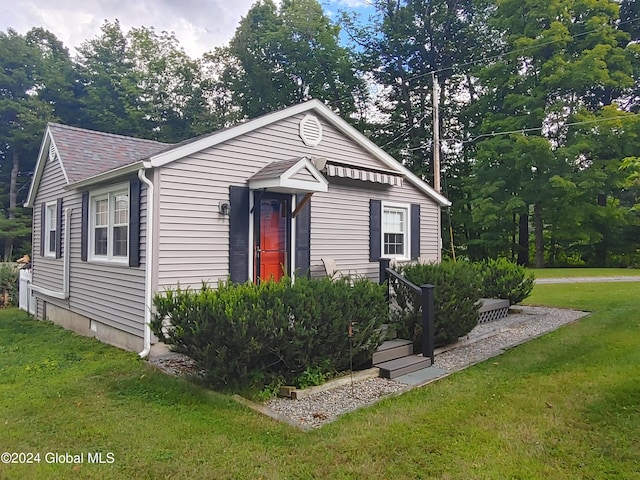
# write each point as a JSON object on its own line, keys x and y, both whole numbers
{"x": 402, "y": 366}
{"x": 392, "y": 349}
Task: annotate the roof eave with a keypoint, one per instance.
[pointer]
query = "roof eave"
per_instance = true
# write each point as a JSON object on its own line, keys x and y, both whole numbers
{"x": 40, "y": 163}
{"x": 342, "y": 125}
{"x": 109, "y": 175}
{"x": 216, "y": 138}
{"x": 351, "y": 132}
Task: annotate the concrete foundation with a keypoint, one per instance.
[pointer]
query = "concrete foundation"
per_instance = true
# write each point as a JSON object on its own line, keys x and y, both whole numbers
{"x": 92, "y": 328}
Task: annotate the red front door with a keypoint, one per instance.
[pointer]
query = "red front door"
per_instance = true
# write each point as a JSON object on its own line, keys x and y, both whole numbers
{"x": 272, "y": 249}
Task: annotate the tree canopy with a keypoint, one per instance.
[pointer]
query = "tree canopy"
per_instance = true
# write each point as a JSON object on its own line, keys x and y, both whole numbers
{"x": 538, "y": 107}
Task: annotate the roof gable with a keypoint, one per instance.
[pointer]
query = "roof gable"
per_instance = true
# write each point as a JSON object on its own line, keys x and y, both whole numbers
{"x": 86, "y": 153}
{"x": 318, "y": 108}
{"x": 290, "y": 176}
{"x": 87, "y": 156}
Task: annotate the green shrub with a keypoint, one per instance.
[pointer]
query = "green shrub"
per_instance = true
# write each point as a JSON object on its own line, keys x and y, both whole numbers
{"x": 253, "y": 335}
{"x": 9, "y": 281}
{"x": 456, "y": 295}
{"x": 502, "y": 278}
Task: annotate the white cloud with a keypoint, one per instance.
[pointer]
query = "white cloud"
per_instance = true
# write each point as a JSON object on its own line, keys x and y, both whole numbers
{"x": 353, "y": 3}
{"x": 199, "y": 25}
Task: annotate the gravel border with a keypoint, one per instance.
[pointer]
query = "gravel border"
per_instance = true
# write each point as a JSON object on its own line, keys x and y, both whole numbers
{"x": 485, "y": 341}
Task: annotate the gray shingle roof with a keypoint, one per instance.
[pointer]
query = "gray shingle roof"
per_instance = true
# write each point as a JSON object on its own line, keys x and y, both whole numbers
{"x": 86, "y": 153}
{"x": 275, "y": 169}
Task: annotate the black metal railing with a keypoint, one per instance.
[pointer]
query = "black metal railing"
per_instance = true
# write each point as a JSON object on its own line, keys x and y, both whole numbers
{"x": 426, "y": 294}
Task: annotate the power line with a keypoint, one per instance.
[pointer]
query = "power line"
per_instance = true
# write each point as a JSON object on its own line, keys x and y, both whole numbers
{"x": 496, "y": 57}
{"x": 521, "y": 130}
{"x": 416, "y": 124}
{"x": 520, "y": 50}
{"x": 501, "y": 55}
{"x": 535, "y": 129}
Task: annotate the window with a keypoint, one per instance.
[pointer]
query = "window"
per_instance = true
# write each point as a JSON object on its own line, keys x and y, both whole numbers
{"x": 395, "y": 228}
{"x": 51, "y": 223}
{"x": 109, "y": 232}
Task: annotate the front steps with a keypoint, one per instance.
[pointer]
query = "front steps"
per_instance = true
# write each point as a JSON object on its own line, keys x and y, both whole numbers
{"x": 395, "y": 358}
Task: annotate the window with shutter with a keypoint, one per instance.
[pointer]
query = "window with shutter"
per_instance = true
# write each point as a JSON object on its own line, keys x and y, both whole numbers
{"x": 111, "y": 224}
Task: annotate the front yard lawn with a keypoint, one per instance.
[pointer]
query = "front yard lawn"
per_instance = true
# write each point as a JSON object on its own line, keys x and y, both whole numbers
{"x": 564, "y": 406}
{"x": 584, "y": 272}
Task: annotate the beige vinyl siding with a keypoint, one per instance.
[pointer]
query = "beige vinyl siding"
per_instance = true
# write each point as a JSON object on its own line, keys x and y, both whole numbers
{"x": 340, "y": 226}
{"x": 47, "y": 271}
{"x": 109, "y": 294}
{"x": 193, "y": 238}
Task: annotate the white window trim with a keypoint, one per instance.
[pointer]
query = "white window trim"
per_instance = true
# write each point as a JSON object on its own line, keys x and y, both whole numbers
{"x": 108, "y": 192}
{"x": 47, "y": 225}
{"x": 407, "y": 234}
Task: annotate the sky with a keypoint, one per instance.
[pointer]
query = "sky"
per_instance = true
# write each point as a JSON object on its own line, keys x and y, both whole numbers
{"x": 199, "y": 25}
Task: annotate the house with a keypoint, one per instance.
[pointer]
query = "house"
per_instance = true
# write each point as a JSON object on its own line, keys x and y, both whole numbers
{"x": 117, "y": 219}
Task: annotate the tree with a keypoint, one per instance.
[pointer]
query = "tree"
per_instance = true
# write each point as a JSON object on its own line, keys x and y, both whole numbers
{"x": 171, "y": 86}
{"x": 567, "y": 62}
{"x": 22, "y": 119}
{"x": 111, "y": 100}
{"x": 142, "y": 84}
{"x": 58, "y": 84}
{"x": 407, "y": 42}
{"x": 280, "y": 56}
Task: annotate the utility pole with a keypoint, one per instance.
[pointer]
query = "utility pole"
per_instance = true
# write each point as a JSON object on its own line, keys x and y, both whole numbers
{"x": 436, "y": 134}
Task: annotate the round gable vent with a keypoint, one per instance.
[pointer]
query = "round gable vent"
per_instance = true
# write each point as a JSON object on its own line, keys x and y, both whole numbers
{"x": 310, "y": 130}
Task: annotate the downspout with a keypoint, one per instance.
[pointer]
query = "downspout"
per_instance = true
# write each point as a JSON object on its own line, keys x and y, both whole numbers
{"x": 148, "y": 263}
{"x": 64, "y": 294}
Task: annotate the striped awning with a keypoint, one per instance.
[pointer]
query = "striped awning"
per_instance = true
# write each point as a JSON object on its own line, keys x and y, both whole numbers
{"x": 364, "y": 174}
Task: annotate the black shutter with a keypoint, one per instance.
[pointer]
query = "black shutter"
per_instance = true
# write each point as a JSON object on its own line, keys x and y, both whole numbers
{"x": 135, "y": 186}
{"x": 415, "y": 231}
{"x": 43, "y": 227}
{"x": 303, "y": 238}
{"x": 239, "y": 234}
{"x": 59, "y": 228}
{"x": 375, "y": 230}
{"x": 84, "y": 227}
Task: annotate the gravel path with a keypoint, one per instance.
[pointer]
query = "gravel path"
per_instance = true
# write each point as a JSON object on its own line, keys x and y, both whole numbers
{"x": 485, "y": 341}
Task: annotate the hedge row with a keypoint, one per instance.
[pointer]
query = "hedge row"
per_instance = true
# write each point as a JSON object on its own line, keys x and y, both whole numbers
{"x": 254, "y": 335}
{"x": 458, "y": 289}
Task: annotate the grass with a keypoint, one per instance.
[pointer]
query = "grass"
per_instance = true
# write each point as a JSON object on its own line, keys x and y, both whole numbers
{"x": 584, "y": 272}
{"x": 564, "y": 406}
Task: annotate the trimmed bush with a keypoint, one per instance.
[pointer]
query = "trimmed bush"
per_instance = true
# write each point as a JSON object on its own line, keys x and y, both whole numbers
{"x": 254, "y": 335}
{"x": 502, "y": 278}
{"x": 457, "y": 291}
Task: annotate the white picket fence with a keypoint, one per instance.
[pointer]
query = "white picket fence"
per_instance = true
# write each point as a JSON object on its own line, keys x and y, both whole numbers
{"x": 27, "y": 299}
